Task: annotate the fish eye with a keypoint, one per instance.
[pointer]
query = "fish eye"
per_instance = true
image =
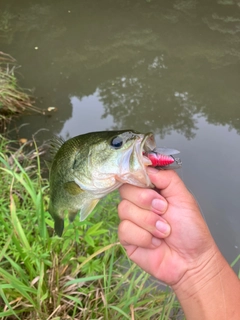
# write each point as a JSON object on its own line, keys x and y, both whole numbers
{"x": 116, "y": 142}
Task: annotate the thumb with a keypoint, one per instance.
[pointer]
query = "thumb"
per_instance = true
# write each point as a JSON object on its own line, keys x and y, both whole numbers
{"x": 168, "y": 182}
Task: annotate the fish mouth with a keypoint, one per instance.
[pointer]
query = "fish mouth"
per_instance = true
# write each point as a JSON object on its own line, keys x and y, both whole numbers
{"x": 134, "y": 162}
{"x": 166, "y": 156}
{"x": 148, "y": 144}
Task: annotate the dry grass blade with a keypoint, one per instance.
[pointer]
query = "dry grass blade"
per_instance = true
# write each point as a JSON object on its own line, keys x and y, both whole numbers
{"x": 6, "y": 58}
{"x": 13, "y": 99}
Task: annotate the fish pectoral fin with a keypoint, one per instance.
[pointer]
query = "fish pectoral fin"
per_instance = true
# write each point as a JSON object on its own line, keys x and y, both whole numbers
{"x": 87, "y": 208}
{"x": 72, "y": 188}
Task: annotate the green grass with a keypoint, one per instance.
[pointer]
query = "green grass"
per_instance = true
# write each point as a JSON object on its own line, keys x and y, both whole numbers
{"x": 83, "y": 275}
{"x": 235, "y": 262}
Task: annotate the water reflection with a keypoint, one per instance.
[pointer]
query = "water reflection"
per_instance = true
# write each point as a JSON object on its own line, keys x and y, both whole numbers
{"x": 145, "y": 94}
{"x": 87, "y": 112}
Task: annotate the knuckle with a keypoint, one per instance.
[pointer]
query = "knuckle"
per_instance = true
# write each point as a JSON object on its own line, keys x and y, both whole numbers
{"x": 123, "y": 227}
{"x": 123, "y": 207}
{"x": 144, "y": 196}
{"x": 144, "y": 238}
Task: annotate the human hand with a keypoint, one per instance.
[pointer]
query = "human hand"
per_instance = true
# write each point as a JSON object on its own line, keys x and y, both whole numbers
{"x": 163, "y": 231}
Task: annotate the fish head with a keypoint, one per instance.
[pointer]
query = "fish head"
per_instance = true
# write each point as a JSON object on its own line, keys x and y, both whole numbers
{"x": 113, "y": 158}
{"x": 132, "y": 162}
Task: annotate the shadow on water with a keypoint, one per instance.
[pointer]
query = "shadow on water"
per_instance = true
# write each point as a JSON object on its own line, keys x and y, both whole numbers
{"x": 168, "y": 67}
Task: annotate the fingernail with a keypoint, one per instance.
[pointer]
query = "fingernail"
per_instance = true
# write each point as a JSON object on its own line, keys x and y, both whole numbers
{"x": 163, "y": 227}
{"x": 159, "y": 205}
{"x": 156, "y": 242}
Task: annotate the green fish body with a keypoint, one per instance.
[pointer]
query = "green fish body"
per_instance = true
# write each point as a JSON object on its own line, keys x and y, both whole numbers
{"x": 89, "y": 166}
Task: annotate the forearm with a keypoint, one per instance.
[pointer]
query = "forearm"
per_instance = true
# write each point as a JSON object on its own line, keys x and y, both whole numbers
{"x": 210, "y": 293}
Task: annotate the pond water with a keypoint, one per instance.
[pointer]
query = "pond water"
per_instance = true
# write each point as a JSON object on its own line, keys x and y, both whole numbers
{"x": 170, "y": 67}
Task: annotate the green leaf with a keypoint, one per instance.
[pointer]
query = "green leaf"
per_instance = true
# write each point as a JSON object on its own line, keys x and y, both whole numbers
{"x": 120, "y": 311}
{"x": 92, "y": 230}
{"x": 74, "y": 281}
{"x": 89, "y": 240}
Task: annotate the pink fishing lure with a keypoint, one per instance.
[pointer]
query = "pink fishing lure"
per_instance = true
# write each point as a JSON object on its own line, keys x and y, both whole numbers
{"x": 163, "y": 158}
{"x": 159, "y": 160}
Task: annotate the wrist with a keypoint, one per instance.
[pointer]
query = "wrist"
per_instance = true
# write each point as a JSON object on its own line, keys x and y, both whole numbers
{"x": 200, "y": 273}
{"x": 210, "y": 290}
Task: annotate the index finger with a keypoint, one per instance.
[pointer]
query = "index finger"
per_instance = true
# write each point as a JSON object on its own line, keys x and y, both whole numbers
{"x": 144, "y": 198}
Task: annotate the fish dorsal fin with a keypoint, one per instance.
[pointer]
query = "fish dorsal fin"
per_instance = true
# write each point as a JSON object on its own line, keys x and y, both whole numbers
{"x": 48, "y": 164}
{"x": 87, "y": 208}
{"x": 72, "y": 188}
{"x": 55, "y": 144}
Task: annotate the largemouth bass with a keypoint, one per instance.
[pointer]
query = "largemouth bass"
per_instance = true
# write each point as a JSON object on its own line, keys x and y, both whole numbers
{"x": 89, "y": 166}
